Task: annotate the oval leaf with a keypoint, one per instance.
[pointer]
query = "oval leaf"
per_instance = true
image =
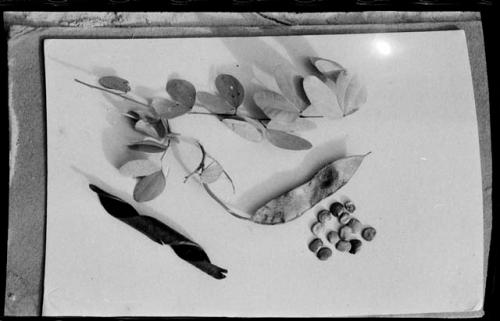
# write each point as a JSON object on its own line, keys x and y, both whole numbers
{"x": 211, "y": 173}
{"x": 214, "y": 103}
{"x": 287, "y": 141}
{"x": 138, "y": 168}
{"x": 341, "y": 85}
{"x": 327, "y": 67}
{"x": 276, "y": 106}
{"x": 148, "y": 146}
{"x": 290, "y": 84}
{"x": 169, "y": 109}
{"x": 322, "y": 97}
{"x": 116, "y": 83}
{"x": 244, "y": 129}
{"x": 230, "y": 89}
{"x": 300, "y": 124}
{"x": 149, "y": 187}
{"x": 182, "y": 91}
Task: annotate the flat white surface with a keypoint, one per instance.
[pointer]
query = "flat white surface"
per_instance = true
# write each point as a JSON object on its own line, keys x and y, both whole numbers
{"x": 420, "y": 187}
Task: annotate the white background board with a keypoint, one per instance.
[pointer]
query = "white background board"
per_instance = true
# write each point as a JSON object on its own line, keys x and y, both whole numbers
{"x": 420, "y": 187}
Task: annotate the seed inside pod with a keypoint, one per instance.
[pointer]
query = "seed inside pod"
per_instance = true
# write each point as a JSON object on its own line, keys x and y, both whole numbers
{"x": 336, "y": 208}
{"x": 315, "y": 245}
{"x": 333, "y": 237}
{"x": 344, "y": 218}
{"x": 355, "y": 246}
{"x": 318, "y": 228}
{"x": 355, "y": 225}
{"x": 324, "y": 253}
{"x": 324, "y": 216}
{"x": 345, "y": 232}
{"x": 349, "y": 206}
{"x": 343, "y": 246}
{"x": 368, "y": 233}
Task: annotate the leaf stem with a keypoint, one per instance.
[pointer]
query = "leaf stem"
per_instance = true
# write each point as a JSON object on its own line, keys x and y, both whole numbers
{"x": 259, "y": 119}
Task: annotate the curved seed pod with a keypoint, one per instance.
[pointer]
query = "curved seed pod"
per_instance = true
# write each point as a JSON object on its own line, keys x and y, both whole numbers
{"x": 297, "y": 201}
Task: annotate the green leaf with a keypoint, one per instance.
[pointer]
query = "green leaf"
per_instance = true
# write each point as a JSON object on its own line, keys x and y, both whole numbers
{"x": 149, "y": 187}
{"x": 290, "y": 84}
{"x": 244, "y": 129}
{"x": 327, "y": 67}
{"x": 148, "y": 146}
{"x": 182, "y": 91}
{"x": 322, "y": 97}
{"x": 300, "y": 124}
{"x": 276, "y": 106}
{"x": 116, "y": 83}
{"x": 214, "y": 103}
{"x": 138, "y": 168}
{"x": 169, "y": 109}
{"x": 212, "y": 173}
{"x": 287, "y": 141}
{"x": 230, "y": 89}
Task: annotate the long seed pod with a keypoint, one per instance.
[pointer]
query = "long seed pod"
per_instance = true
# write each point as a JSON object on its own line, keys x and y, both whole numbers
{"x": 298, "y": 200}
{"x": 157, "y": 231}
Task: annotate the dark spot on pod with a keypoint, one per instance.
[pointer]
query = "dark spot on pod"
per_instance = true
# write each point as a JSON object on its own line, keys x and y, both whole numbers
{"x": 326, "y": 177}
{"x": 355, "y": 246}
{"x": 315, "y": 245}
{"x": 324, "y": 253}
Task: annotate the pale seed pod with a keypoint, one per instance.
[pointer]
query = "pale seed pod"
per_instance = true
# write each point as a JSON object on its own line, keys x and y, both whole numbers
{"x": 343, "y": 246}
{"x": 349, "y": 206}
{"x": 332, "y": 237}
{"x": 355, "y": 225}
{"x": 345, "y": 232}
{"x": 318, "y": 228}
{"x": 344, "y": 218}
{"x": 324, "y": 216}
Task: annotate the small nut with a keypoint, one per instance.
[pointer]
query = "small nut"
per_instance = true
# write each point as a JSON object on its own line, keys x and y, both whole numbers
{"x": 355, "y": 246}
{"x": 315, "y": 245}
{"x": 332, "y": 237}
{"x": 324, "y": 253}
{"x": 345, "y": 232}
{"x": 318, "y": 228}
{"x": 343, "y": 246}
{"x": 355, "y": 225}
{"x": 324, "y": 216}
{"x": 344, "y": 218}
{"x": 349, "y": 206}
{"x": 368, "y": 233}
{"x": 336, "y": 208}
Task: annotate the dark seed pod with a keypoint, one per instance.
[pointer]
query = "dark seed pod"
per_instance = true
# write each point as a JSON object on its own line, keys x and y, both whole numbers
{"x": 336, "y": 208}
{"x": 116, "y": 83}
{"x": 324, "y": 253}
{"x": 368, "y": 233}
{"x": 324, "y": 215}
{"x": 355, "y": 246}
{"x": 315, "y": 245}
{"x": 349, "y": 206}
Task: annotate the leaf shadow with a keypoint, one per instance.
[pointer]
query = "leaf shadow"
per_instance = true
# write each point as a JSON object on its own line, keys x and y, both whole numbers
{"x": 141, "y": 208}
{"x": 283, "y": 181}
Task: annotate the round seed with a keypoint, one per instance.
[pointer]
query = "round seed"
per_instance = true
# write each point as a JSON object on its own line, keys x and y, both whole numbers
{"x": 336, "y": 208}
{"x": 324, "y": 216}
{"x": 332, "y": 237}
{"x": 349, "y": 206}
{"x": 318, "y": 228}
{"x": 315, "y": 245}
{"x": 343, "y": 246}
{"x": 324, "y": 253}
{"x": 355, "y": 225}
{"x": 344, "y": 218}
{"x": 368, "y": 233}
{"x": 355, "y": 246}
{"x": 345, "y": 232}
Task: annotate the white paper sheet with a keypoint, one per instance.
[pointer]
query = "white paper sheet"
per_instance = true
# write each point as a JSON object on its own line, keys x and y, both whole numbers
{"x": 420, "y": 187}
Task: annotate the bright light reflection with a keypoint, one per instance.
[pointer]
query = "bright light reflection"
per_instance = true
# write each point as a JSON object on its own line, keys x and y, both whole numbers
{"x": 383, "y": 47}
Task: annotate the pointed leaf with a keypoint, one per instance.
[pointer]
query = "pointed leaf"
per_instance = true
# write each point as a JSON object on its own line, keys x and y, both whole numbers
{"x": 169, "y": 109}
{"x": 214, "y": 103}
{"x": 355, "y": 95}
{"x": 276, "y": 106}
{"x": 116, "y": 83}
{"x": 182, "y": 91}
{"x": 230, "y": 89}
{"x": 300, "y": 124}
{"x": 211, "y": 173}
{"x": 244, "y": 129}
{"x": 146, "y": 128}
{"x": 341, "y": 85}
{"x": 290, "y": 84}
{"x": 327, "y": 67}
{"x": 138, "y": 168}
{"x": 287, "y": 141}
{"x": 149, "y": 187}
{"x": 148, "y": 146}
{"x": 322, "y": 97}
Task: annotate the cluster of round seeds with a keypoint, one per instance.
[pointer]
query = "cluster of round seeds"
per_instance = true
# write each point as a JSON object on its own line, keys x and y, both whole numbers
{"x": 343, "y": 238}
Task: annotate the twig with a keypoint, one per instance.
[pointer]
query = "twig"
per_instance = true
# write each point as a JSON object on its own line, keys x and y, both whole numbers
{"x": 221, "y": 203}
{"x": 259, "y": 119}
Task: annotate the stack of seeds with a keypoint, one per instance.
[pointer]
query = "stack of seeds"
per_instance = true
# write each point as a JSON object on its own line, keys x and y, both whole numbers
{"x": 344, "y": 237}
